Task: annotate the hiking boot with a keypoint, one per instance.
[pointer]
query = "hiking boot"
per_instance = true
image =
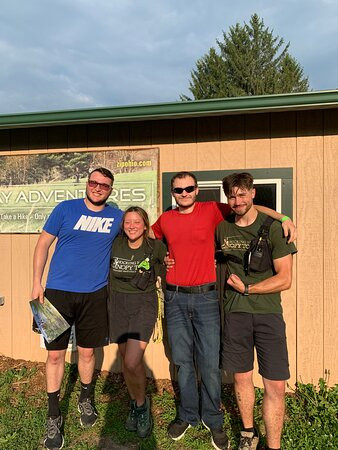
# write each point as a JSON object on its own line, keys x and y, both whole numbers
{"x": 144, "y": 420}
{"x": 88, "y": 413}
{"x": 177, "y": 429}
{"x": 54, "y": 437}
{"x": 131, "y": 422}
{"x": 248, "y": 440}
{"x": 219, "y": 439}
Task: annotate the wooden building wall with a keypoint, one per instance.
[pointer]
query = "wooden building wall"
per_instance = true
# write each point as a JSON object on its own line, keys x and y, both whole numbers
{"x": 307, "y": 141}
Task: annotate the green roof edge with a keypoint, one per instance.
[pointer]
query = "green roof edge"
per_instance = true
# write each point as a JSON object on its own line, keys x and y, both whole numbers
{"x": 197, "y": 108}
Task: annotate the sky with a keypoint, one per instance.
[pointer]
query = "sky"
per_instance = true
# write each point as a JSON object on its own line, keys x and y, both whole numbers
{"x": 72, "y": 54}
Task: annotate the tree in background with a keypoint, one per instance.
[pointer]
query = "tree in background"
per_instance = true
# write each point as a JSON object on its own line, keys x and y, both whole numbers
{"x": 76, "y": 165}
{"x": 249, "y": 61}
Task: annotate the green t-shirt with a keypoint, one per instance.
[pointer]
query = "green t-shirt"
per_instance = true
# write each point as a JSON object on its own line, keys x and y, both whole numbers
{"x": 125, "y": 261}
{"x": 234, "y": 242}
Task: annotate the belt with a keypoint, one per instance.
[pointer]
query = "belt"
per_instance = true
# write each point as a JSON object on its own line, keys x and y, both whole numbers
{"x": 199, "y": 289}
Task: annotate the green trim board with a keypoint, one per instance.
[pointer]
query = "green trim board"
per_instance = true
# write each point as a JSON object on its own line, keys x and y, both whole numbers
{"x": 197, "y": 108}
{"x": 284, "y": 174}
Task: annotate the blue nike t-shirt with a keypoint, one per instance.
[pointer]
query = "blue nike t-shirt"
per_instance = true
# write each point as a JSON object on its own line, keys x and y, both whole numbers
{"x": 80, "y": 262}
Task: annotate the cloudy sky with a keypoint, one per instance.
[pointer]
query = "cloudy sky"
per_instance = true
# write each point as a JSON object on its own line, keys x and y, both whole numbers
{"x": 70, "y": 54}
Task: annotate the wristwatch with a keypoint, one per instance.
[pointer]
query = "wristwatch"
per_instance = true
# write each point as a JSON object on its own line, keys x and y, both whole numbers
{"x": 246, "y": 290}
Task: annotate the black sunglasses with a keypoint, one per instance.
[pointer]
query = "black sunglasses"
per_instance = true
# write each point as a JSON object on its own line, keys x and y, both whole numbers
{"x": 188, "y": 189}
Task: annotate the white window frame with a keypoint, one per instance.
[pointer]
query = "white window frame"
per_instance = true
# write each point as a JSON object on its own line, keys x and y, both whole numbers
{"x": 218, "y": 184}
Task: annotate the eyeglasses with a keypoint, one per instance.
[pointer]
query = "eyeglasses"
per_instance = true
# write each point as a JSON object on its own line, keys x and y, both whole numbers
{"x": 94, "y": 184}
{"x": 179, "y": 190}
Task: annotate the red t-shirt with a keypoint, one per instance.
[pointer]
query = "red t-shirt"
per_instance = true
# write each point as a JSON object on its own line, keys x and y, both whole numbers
{"x": 191, "y": 242}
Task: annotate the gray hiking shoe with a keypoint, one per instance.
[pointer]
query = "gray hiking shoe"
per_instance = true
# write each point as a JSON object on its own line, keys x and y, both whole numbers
{"x": 248, "y": 440}
{"x": 88, "y": 413}
{"x": 144, "y": 420}
{"x": 54, "y": 438}
{"x": 131, "y": 422}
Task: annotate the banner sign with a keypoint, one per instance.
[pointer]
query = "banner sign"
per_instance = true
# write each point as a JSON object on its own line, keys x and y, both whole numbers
{"x": 32, "y": 185}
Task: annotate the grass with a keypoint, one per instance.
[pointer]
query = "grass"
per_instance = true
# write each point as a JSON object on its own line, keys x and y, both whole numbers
{"x": 311, "y": 419}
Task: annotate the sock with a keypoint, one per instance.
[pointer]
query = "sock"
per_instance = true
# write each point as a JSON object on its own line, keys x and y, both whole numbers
{"x": 141, "y": 406}
{"x": 86, "y": 391}
{"x": 53, "y": 403}
{"x": 249, "y": 430}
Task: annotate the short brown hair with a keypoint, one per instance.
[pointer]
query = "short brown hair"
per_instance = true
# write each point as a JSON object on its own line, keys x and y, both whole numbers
{"x": 243, "y": 180}
{"x": 182, "y": 175}
{"x": 103, "y": 171}
{"x": 144, "y": 216}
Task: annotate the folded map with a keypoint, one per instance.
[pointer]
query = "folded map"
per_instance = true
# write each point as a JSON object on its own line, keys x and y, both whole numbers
{"x": 48, "y": 319}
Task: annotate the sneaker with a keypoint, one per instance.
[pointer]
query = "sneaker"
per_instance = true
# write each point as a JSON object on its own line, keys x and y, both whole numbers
{"x": 131, "y": 422}
{"x": 144, "y": 420}
{"x": 54, "y": 437}
{"x": 88, "y": 413}
{"x": 248, "y": 440}
{"x": 177, "y": 429}
{"x": 219, "y": 439}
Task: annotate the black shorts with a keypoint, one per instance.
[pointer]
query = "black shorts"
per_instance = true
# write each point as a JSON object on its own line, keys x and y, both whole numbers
{"x": 87, "y": 311}
{"x": 266, "y": 332}
{"x": 132, "y": 316}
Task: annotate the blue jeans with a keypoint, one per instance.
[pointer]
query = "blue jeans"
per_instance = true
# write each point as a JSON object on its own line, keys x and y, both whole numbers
{"x": 193, "y": 322}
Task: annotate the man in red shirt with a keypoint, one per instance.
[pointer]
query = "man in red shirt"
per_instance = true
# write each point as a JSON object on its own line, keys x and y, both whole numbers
{"x": 192, "y": 305}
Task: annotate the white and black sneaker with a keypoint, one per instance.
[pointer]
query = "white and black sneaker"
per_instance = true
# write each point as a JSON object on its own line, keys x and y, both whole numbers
{"x": 88, "y": 413}
{"x": 177, "y": 429}
{"x": 54, "y": 438}
{"x": 219, "y": 438}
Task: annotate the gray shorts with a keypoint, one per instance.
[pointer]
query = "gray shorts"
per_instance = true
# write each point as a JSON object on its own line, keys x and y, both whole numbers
{"x": 244, "y": 331}
{"x": 132, "y": 316}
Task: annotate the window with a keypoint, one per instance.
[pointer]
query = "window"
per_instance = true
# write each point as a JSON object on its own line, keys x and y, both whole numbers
{"x": 273, "y": 187}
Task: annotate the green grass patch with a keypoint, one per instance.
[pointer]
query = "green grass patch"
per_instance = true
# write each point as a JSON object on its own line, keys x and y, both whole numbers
{"x": 310, "y": 424}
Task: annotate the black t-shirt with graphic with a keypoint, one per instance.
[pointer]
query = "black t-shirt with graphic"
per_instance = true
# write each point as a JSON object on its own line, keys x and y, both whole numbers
{"x": 125, "y": 261}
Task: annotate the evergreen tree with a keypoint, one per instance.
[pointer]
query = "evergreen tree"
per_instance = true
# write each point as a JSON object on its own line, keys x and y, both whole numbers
{"x": 209, "y": 80}
{"x": 75, "y": 165}
{"x": 250, "y": 61}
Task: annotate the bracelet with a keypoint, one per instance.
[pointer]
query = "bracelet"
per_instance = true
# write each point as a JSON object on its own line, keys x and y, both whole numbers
{"x": 246, "y": 290}
{"x": 284, "y": 218}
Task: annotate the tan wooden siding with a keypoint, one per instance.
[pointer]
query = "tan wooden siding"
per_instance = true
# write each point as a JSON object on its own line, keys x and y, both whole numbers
{"x": 310, "y": 258}
{"x": 305, "y": 141}
{"x": 208, "y": 144}
{"x": 284, "y": 154}
{"x": 232, "y": 142}
{"x": 330, "y": 245}
{"x": 6, "y": 316}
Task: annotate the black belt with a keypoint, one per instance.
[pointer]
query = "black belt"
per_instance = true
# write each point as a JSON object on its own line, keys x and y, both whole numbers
{"x": 200, "y": 289}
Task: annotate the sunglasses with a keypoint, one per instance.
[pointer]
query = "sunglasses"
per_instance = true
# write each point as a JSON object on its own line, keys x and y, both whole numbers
{"x": 188, "y": 189}
{"x": 94, "y": 184}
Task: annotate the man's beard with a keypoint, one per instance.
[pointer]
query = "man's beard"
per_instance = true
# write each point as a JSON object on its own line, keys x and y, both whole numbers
{"x": 184, "y": 205}
{"x": 96, "y": 202}
{"x": 244, "y": 211}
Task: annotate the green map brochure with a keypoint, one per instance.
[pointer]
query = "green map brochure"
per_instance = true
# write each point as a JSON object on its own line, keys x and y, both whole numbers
{"x": 48, "y": 319}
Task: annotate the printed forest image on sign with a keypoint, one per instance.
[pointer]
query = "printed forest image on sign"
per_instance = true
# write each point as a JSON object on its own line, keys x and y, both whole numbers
{"x": 32, "y": 185}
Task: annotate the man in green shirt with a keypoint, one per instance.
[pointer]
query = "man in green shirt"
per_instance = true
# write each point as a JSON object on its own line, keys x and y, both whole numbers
{"x": 253, "y": 311}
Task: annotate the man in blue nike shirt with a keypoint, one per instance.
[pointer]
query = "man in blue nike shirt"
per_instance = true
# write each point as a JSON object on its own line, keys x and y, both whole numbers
{"x": 76, "y": 286}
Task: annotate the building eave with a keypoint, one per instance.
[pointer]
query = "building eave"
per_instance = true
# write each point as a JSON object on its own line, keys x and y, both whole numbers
{"x": 174, "y": 110}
